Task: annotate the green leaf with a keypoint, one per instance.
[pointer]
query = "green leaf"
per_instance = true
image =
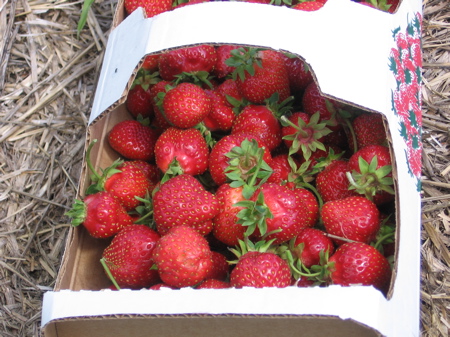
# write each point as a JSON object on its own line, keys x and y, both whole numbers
{"x": 84, "y": 15}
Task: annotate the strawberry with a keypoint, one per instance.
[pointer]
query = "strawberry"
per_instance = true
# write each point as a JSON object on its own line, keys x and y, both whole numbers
{"x": 369, "y": 130}
{"x": 151, "y": 7}
{"x": 183, "y": 200}
{"x": 150, "y": 170}
{"x": 129, "y": 257}
{"x": 273, "y": 212}
{"x": 259, "y": 74}
{"x": 220, "y": 268}
{"x": 356, "y": 263}
{"x": 371, "y": 173}
{"x": 158, "y": 286}
{"x": 355, "y": 218}
{"x": 310, "y": 244}
{"x": 151, "y": 62}
{"x": 313, "y": 101}
{"x": 221, "y": 69}
{"x": 299, "y": 74}
{"x": 157, "y": 93}
{"x": 219, "y": 161}
{"x": 259, "y": 120}
{"x": 221, "y": 116}
{"x": 281, "y": 169}
{"x": 186, "y": 105}
{"x": 303, "y": 133}
{"x": 182, "y": 257}
{"x": 128, "y": 183}
{"x": 229, "y": 88}
{"x": 182, "y": 151}
{"x": 133, "y": 140}
{"x": 226, "y": 229}
{"x": 332, "y": 183}
{"x": 213, "y": 284}
{"x": 189, "y": 59}
{"x": 308, "y": 6}
{"x": 259, "y": 270}
{"x": 310, "y": 204}
{"x": 139, "y": 99}
{"x": 101, "y": 214}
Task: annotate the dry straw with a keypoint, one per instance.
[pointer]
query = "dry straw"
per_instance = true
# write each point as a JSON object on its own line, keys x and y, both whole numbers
{"x": 47, "y": 80}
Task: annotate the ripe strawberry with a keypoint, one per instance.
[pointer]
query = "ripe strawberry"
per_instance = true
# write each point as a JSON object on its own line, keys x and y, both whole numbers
{"x": 150, "y": 170}
{"x": 188, "y": 59}
{"x": 355, "y": 218}
{"x": 356, "y": 263}
{"x": 151, "y": 62}
{"x": 226, "y": 228}
{"x": 303, "y": 133}
{"x": 183, "y": 257}
{"x": 299, "y": 74}
{"x": 151, "y": 7}
{"x": 129, "y": 257}
{"x": 229, "y": 88}
{"x": 310, "y": 204}
{"x": 308, "y": 6}
{"x": 139, "y": 99}
{"x": 219, "y": 161}
{"x": 213, "y": 284}
{"x": 266, "y": 75}
{"x": 281, "y": 169}
{"x": 133, "y": 140}
{"x": 313, "y": 101}
{"x": 259, "y": 120}
{"x": 128, "y": 183}
{"x": 101, "y": 214}
{"x": 184, "y": 201}
{"x": 369, "y": 130}
{"x": 332, "y": 183}
{"x": 259, "y": 270}
{"x": 274, "y": 212}
{"x": 185, "y": 146}
{"x": 220, "y": 267}
{"x": 221, "y": 69}
{"x": 186, "y": 105}
{"x": 371, "y": 173}
{"x": 310, "y": 244}
{"x": 157, "y": 92}
{"x": 221, "y": 116}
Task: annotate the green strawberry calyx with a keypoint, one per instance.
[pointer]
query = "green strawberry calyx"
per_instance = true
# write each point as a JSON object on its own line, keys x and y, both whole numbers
{"x": 77, "y": 212}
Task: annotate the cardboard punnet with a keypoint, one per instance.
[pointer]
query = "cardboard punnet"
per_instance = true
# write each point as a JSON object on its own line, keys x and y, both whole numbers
{"x": 349, "y": 54}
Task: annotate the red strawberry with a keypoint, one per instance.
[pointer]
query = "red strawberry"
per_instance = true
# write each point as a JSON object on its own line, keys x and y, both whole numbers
{"x": 219, "y": 162}
{"x": 128, "y": 183}
{"x": 150, "y": 170}
{"x": 259, "y": 120}
{"x": 309, "y": 245}
{"x": 309, "y": 6}
{"x": 183, "y": 257}
{"x": 221, "y": 69}
{"x": 369, "y": 130}
{"x": 299, "y": 74}
{"x": 281, "y": 169}
{"x": 221, "y": 116}
{"x": 151, "y": 7}
{"x": 356, "y": 263}
{"x": 139, "y": 98}
{"x": 371, "y": 173}
{"x": 313, "y": 101}
{"x": 186, "y": 105}
{"x": 151, "y": 62}
{"x": 188, "y": 59}
{"x": 183, "y": 200}
{"x": 310, "y": 204}
{"x": 229, "y": 88}
{"x": 213, "y": 284}
{"x": 129, "y": 257}
{"x": 101, "y": 214}
{"x": 259, "y": 270}
{"x": 226, "y": 229}
{"x": 282, "y": 209}
{"x": 157, "y": 93}
{"x": 133, "y": 140}
{"x": 355, "y": 218}
{"x": 332, "y": 183}
{"x": 267, "y": 76}
{"x": 220, "y": 268}
{"x": 186, "y": 146}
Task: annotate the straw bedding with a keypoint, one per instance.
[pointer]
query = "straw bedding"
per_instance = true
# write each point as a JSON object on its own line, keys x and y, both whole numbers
{"x": 47, "y": 80}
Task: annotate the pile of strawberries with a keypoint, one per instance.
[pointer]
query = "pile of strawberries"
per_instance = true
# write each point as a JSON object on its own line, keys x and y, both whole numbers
{"x": 154, "y": 7}
{"x": 233, "y": 171}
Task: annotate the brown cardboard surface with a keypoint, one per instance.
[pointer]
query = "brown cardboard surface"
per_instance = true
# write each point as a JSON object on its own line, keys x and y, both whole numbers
{"x": 209, "y": 325}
